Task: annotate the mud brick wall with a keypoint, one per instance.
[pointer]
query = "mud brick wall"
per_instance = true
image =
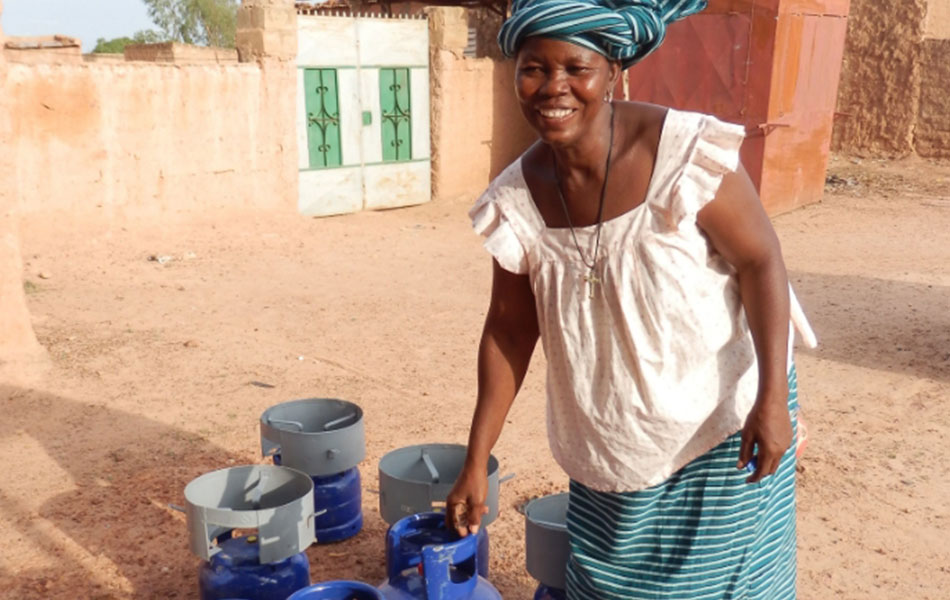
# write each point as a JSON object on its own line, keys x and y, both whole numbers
{"x": 932, "y": 135}
{"x": 894, "y": 82}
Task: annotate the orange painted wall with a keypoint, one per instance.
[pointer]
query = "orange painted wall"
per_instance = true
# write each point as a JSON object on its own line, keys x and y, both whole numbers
{"x": 806, "y": 69}
{"x": 770, "y": 65}
{"x": 477, "y": 127}
{"x": 110, "y": 140}
{"x": 146, "y": 138}
{"x": 461, "y": 148}
{"x": 19, "y": 349}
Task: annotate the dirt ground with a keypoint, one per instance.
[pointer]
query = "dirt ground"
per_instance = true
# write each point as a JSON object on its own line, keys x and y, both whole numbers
{"x": 156, "y": 373}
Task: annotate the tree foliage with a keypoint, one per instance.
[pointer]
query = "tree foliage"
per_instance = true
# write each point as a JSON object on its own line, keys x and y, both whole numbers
{"x": 117, "y": 45}
{"x": 202, "y": 22}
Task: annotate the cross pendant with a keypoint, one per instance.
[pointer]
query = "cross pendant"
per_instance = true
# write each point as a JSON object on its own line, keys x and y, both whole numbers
{"x": 592, "y": 280}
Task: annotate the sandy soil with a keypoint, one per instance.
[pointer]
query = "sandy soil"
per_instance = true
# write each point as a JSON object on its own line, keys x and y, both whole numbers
{"x": 156, "y": 370}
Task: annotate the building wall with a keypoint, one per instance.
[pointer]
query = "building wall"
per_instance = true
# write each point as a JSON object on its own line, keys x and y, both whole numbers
{"x": 132, "y": 138}
{"x": 938, "y": 20}
{"x": 42, "y": 49}
{"x": 19, "y": 349}
{"x": 174, "y": 52}
{"x": 932, "y": 133}
{"x": 477, "y": 126}
{"x": 356, "y": 48}
{"x": 114, "y": 140}
{"x": 104, "y": 57}
{"x": 892, "y": 101}
{"x": 145, "y": 138}
{"x": 881, "y": 77}
{"x": 34, "y": 56}
{"x": 106, "y": 141}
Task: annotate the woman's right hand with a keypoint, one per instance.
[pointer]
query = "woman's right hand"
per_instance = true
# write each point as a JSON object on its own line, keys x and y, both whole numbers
{"x": 508, "y": 340}
{"x": 465, "y": 504}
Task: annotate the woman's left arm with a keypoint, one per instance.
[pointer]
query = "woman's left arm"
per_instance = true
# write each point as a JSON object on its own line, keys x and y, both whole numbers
{"x": 739, "y": 229}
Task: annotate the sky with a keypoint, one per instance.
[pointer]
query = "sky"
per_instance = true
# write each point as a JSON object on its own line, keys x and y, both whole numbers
{"x": 87, "y": 20}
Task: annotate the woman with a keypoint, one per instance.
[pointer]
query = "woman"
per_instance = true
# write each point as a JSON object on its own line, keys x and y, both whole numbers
{"x": 631, "y": 241}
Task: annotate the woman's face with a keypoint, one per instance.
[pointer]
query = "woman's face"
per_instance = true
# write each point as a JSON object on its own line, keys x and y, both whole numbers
{"x": 561, "y": 87}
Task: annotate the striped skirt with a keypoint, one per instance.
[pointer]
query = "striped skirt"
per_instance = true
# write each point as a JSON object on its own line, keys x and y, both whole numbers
{"x": 703, "y": 534}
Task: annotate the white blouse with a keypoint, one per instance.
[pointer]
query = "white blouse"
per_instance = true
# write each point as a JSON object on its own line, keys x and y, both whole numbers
{"x": 658, "y": 367}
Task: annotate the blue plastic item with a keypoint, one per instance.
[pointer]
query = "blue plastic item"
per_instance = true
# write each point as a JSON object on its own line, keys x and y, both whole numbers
{"x": 549, "y": 593}
{"x": 236, "y": 572}
{"x": 426, "y": 561}
{"x": 417, "y": 479}
{"x": 339, "y": 495}
{"x": 338, "y": 590}
{"x": 483, "y": 560}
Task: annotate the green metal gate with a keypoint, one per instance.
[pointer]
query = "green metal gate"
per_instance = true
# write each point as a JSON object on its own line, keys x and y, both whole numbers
{"x": 323, "y": 118}
{"x": 394, "y": 103}
{"x": 363, "y": 113}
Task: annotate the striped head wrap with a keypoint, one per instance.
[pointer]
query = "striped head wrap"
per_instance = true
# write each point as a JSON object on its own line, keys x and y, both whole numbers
{"x": 623, "y": 30}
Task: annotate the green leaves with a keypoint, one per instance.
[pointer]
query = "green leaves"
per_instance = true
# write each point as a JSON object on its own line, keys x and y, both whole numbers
{"x": 117, "y": 45}
{"x": 201, "y": 22}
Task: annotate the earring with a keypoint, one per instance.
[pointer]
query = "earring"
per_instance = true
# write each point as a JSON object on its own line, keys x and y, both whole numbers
{"x": 609, "y": 96}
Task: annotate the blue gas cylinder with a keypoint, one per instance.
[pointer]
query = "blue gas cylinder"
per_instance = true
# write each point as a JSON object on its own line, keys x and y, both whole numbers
{"x": 483, "y": 560}
{"x": 339, "y": 495}
{"x": 426, "y": 561}
{"x": 338, "y": 590}
{"x": 549, "y": 593}
{"x": 236, "y": 572}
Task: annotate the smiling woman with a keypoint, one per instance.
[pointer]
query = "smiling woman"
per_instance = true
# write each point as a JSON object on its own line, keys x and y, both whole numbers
{"x": 631, "y": 242}
{"x": 584, "y": 75}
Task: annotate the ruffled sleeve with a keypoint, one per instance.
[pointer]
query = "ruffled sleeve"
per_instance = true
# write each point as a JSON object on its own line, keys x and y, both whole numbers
{"x": 712, "y": 153}
{"x": 497, "y": 216}
{"x": 500, "y": 239}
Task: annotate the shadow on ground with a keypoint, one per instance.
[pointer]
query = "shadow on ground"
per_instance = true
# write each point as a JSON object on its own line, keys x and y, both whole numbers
{"x": 117, "y": 508}
{"x": 115, "y": 522}
{"x": 877, "y": 323}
